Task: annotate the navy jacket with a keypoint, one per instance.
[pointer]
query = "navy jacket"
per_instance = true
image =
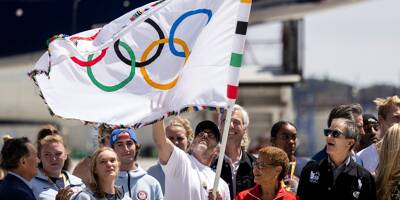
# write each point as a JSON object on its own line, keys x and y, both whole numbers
{"x": 354, "y": 183}
{"x": 14, "y": 188}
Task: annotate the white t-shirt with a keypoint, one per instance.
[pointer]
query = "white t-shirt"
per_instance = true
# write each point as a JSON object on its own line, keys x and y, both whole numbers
{"x": 186, "y": 178}
{"x": 369, "y": 158}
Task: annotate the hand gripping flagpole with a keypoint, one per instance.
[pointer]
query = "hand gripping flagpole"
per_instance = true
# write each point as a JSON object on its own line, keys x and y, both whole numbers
{"x": 233, "y": 80}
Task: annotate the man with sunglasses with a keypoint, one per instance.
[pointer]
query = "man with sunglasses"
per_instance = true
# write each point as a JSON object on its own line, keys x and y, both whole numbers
{"x": 388, "y": 114}
{"x": 371, "y": 128}
{"x": 337, "y": 176}
{"x": 351, "y": 112}
{"x": 188, "y": 175}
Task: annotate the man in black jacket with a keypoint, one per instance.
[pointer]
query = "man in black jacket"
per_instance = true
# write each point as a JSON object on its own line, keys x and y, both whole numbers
{"x": 19, "y": 158}
{"x": 337, "y": 176}
{"x": 237, "y": 167}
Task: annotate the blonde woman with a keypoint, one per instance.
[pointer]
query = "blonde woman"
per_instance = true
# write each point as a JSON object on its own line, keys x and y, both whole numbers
{"x": 388, "y": 172}
{"x": 51, "y": 177}
{"x": 104, "y": 167}
{"x": 180, "y": 132}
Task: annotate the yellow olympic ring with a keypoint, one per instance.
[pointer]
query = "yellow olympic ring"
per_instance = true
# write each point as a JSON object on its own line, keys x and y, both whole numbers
{"x": 146, "y": 52}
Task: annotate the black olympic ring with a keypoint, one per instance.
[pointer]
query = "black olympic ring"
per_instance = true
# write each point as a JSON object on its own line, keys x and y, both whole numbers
{"x": 150, "y": 60}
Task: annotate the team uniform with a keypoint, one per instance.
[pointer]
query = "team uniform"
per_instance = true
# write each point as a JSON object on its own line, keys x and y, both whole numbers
{"x": 44, "y": 188}
{"x": 138, "y": 185}
{"x": 157, "y": 172}
{"x": 87, "y": 194}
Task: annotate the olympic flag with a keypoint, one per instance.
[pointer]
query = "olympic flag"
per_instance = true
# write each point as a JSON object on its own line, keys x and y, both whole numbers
{"x": 161, "y": 59}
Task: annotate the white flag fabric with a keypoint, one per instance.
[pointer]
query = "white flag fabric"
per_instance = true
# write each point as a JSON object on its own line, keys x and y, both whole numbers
{"x": 154, "y": 61}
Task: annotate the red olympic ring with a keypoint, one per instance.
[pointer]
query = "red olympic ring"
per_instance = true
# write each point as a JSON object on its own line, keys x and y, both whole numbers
{"x": 85, "y": 38}
{"x": 92, "y": 62}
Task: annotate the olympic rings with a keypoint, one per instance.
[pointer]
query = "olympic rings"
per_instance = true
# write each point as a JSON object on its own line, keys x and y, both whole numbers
{"x": 121, "y": 84}
{"x": 143, "y": 61}
{"x": 91, "y": 62}
{"x": 146, "y": 52}
{"x": 155, "y": 56}
{"x": 176, "y": 24}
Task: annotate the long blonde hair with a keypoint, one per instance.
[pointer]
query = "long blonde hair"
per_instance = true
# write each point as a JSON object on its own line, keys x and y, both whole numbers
{"x": 388, "y": 171}
{"x": 95, "y": 184}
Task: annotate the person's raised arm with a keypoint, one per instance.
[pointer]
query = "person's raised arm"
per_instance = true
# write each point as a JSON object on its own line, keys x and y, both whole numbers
{"x": 163, "y": 144}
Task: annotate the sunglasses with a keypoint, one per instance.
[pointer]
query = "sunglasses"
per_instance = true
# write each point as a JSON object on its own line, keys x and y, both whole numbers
{"x": 261, "y": 165}
{"x": 334, "y": 133}
{"x": 209, "y": 134}
{"x": 375, "y": 126}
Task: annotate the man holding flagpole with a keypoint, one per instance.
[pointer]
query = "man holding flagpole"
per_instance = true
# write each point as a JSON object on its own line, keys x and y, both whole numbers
{"x": 189, "y": 173}
{"x": 120, "y": 69}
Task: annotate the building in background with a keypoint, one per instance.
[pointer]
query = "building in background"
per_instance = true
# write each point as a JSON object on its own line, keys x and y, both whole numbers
{"x": 273, "y": 64}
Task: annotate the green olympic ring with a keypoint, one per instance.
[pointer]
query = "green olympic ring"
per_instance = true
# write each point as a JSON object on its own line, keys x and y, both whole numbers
{"x": 121, "y": 84}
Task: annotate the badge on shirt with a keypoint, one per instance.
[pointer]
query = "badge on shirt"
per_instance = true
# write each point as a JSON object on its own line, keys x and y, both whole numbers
{"x": 356, "y": 194}
{"x": 141, "y": 195}
{"x": 314, "y": 177}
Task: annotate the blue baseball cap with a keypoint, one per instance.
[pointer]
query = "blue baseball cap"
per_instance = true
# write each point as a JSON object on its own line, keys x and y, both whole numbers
{"x": 123, "y": 133}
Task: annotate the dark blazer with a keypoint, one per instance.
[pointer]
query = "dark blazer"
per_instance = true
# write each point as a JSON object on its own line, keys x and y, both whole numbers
{"x": 244, "y": 175}
{"x": 14, "y": 188}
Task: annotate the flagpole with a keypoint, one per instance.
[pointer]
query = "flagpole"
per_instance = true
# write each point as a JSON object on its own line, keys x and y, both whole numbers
{"x": 233, "y": 78}
{"x": 223, "y": 146}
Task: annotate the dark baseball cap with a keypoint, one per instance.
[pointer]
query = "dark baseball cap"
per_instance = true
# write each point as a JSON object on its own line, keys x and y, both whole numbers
{"x": 207, "y": 124}
{"x": 369, "y": 119}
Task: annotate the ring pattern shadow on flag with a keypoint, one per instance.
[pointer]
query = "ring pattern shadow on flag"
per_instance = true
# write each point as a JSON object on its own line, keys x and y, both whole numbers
{"x": 161, "y": 59}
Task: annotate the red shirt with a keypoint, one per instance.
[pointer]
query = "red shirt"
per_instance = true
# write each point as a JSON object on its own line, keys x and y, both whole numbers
{"x": 255, "y": 194}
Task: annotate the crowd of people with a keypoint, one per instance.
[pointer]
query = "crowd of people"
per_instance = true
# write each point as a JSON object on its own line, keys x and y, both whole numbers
{"x": 360, "y": 161}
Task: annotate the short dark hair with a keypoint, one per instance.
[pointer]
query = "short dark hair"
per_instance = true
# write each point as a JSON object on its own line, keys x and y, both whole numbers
{"x": 351, "y": 130}
{"x": 278, "y": 125}
{"x": 341, "y": 111}
{"x": 356, "y": 108}
{"x": 13, "y": 150}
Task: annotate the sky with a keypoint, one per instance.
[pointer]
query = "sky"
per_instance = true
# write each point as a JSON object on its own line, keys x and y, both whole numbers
{"x": 358, "y": 44}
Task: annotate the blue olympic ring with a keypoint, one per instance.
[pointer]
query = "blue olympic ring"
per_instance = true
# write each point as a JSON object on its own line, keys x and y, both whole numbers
{"x": 176, "y": 24}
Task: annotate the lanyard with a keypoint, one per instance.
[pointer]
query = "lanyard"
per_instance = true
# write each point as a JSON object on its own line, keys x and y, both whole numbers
{"x": 292, "y": 167}
{"x": 64, "y": 178}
